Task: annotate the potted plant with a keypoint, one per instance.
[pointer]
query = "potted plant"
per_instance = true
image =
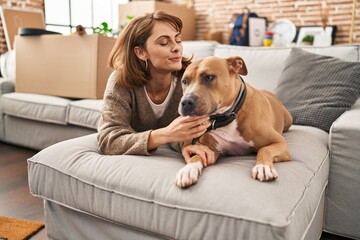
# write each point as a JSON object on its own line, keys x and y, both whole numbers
{"x": 308, "y": 40}
{"x": 103, "y": 29}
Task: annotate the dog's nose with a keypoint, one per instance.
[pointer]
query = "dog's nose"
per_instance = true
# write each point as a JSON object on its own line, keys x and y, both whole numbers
{"x": 188, "y": 105}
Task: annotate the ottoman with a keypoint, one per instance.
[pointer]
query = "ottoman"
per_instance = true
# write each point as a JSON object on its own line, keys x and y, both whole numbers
{"x": 92, "y": 196}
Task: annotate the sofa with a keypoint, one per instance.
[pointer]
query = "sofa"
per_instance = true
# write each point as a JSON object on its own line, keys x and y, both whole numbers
{"x": 92, "y": 196}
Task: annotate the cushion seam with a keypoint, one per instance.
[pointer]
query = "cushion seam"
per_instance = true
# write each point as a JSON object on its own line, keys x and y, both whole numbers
{"x": 317, "y": 208}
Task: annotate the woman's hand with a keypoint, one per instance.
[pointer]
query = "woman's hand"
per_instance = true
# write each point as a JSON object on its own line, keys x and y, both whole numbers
{"x": 207, "y": 155}
{"x": 184, "y": 129}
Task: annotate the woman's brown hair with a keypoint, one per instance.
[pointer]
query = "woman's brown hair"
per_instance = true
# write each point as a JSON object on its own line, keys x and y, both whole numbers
{"x": 129, "y": 68}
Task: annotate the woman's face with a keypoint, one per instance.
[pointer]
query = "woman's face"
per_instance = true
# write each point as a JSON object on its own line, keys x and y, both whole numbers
{"x": 164, "y": 48}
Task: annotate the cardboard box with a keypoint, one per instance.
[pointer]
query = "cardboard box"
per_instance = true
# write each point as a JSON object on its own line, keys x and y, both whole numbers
{"x": 214, "y": 36}
{"x": 14, "y": 18}
{"x": 67, "y": 66}
{"x": 139, "y": 8}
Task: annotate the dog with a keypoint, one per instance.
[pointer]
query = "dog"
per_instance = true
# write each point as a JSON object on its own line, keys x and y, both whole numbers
{"x": 243, "y": 119}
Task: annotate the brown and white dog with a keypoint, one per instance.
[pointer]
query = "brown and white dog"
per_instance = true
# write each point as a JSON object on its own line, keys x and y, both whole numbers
{"x": 244, "y": 119}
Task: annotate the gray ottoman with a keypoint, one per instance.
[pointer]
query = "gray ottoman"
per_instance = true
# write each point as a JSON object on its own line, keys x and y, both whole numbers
{"x": 93, "y": 196}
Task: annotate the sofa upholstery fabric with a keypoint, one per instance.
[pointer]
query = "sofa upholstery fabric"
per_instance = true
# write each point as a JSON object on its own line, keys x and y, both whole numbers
{"x": 85, "y": 113}
{"x": 199, "y": 49}
{"x": 140, "y": 191}
{"x": 85, "y": 226}
{"x": 42, "y": 108}
{"x": 21, "y": 131}
{"x": 265, "y": 65}
{"x": 6, "y": 86}
{"x": 342, "y": 197}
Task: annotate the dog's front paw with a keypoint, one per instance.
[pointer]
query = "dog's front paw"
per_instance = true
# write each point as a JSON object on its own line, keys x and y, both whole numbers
{"x": 189, "y": 174}
{"x": 263, "y": 172}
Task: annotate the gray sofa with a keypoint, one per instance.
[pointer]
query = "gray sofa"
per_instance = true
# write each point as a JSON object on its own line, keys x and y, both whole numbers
{"x": 92, "y": 196}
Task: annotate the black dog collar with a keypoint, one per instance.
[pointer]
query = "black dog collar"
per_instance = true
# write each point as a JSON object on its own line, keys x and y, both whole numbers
{"x": 223, "y": 119}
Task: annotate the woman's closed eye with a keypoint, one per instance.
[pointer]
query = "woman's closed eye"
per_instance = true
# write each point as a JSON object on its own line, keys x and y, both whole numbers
{"x": 164, "y": 43}
{"x": 167, "y": 43}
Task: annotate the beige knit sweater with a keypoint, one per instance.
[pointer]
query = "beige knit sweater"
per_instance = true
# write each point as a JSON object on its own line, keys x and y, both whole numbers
{"x": 127, "y": 119}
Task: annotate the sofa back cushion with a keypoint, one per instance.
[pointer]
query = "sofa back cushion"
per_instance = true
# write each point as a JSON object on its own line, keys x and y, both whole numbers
{"x": 265, "y": 64}
{"x": 199, "y": 49}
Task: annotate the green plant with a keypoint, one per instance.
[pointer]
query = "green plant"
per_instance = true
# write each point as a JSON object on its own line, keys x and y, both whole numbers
{"x": 308, "y": 39}
{"x": 103, "y": 29}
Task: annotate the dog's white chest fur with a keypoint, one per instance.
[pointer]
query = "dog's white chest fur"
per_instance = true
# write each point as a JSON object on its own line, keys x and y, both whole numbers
{"x": 229, "y": 141}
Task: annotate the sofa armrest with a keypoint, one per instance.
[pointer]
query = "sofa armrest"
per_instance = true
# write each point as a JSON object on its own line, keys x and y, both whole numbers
{"x": 6, "y": 86}
{"x": 343, "y": 193}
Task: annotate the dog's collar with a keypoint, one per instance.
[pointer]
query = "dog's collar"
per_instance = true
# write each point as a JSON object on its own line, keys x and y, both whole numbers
{"x": 223, "y": 119}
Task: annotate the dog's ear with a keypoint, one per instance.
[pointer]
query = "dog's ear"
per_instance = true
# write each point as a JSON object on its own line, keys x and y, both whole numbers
{"x": 237, "y": 65}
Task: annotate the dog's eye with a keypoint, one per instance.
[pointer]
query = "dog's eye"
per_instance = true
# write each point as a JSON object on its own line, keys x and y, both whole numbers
{"x": 209, "y": 77}
{"x": 184, "y": 81}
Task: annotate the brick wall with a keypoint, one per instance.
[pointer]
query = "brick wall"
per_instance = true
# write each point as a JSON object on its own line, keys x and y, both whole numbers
{"x": 302, "y": 13}
{"x": 39, "y": 4}
{"x": 216, "y": 14}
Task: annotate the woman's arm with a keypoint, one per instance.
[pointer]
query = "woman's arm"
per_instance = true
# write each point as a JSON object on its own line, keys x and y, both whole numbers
{"x": 115, "y": 134}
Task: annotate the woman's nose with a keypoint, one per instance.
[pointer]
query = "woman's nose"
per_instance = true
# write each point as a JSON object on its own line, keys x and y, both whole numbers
{"x": 176, "y": 47}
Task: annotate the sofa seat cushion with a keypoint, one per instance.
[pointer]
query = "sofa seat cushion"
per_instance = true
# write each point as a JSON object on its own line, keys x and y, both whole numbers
{"x": 85, "y": 113}
{"x": 36, "y": 107}
{"x": 226, "y": 203}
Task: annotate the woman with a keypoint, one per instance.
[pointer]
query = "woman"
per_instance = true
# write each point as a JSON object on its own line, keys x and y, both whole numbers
{"x": 143, "y": 93}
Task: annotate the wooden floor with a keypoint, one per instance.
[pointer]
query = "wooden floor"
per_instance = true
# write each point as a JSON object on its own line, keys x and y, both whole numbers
{"x": 15, "y": 199}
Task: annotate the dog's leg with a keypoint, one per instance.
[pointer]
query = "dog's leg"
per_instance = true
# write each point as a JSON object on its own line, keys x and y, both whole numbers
{"x": 266, "y": 156}
{"x": 189, "y": 174}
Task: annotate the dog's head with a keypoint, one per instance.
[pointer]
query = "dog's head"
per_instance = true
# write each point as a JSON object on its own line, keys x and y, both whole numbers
{"x": 210, "y": 85}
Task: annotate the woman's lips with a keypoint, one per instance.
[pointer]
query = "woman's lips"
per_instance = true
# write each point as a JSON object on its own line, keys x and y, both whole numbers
{"x": 175, "y": 59}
